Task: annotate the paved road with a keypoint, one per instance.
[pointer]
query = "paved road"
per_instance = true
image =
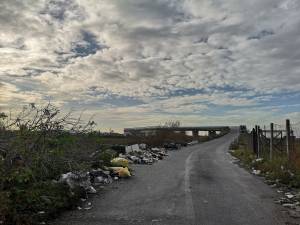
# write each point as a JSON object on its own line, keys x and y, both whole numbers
{"x": 197, "y": 185}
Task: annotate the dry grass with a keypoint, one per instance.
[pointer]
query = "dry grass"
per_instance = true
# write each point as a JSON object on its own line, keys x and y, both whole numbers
{"x": 295, "y": 157}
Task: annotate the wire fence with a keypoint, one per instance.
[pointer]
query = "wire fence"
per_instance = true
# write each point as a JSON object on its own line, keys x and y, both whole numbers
{"x": 276, "y": 140}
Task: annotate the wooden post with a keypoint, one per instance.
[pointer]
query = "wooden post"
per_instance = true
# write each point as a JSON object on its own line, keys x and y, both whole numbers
{"x": 258, "y": 140}
{"x": 288, "y": 135}
{"x": 271, "y": 140}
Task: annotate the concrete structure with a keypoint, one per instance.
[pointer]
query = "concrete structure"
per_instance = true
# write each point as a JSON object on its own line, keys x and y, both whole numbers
{"x": 148, "y": 131}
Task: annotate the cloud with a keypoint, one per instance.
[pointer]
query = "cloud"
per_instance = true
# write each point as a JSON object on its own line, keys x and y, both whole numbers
{"x": 176, "y": 58}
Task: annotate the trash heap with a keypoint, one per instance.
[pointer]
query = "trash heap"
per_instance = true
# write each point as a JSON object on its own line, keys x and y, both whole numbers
{"x": 115, "y": 168}
{"x": 141, "y": 154}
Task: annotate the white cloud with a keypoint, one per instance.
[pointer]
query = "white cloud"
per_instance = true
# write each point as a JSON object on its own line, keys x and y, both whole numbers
{"x": 85, "y": 51}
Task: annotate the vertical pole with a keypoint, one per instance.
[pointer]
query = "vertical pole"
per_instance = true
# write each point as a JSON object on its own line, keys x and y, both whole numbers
{"x": 288, "y": 134}
{"x": 254, "y": 140}
{"x": 258, "y": 140}
{"x": 271, "y": 140}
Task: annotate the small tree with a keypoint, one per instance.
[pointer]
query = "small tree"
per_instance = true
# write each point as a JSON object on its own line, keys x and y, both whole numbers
{"x": 172, "y": 123}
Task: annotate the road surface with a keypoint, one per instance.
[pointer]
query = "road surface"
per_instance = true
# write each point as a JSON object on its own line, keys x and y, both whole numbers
{"x": 198, "y": 185}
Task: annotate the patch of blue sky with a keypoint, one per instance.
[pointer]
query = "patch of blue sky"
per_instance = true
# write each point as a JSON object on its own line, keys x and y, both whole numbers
{"x": 87, "y": 46}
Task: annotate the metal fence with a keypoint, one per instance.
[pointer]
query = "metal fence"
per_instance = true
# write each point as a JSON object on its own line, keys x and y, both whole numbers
{"x": 276, "y": 139}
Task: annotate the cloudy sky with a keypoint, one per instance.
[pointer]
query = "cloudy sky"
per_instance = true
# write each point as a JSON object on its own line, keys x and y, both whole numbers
{"x": 142, "y": 62}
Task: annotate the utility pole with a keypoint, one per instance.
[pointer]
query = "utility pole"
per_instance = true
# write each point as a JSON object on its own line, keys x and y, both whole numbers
{"x": 288, "y": 134}
{"x": 271, "y": 140}
{"x": 258, "y": 142}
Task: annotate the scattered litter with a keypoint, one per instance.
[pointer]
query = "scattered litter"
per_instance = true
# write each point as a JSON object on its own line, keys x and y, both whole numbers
{"x": 256, "y": 172}
{"x": 289, "y": 196}
{"x": 259, "y": 160}
{"x": 193, "y": 143}
{"x": 91, "y": 190}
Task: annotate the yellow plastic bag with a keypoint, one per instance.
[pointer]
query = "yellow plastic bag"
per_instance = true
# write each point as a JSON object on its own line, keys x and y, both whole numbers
{"x": 122, "y": 172}
{"x": 119, "y": 162}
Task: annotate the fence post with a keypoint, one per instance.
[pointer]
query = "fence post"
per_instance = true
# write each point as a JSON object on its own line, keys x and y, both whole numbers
{"x": 271, "y": 140}
{"x": 288, "y": 134}
{"x": 258, "y": 142}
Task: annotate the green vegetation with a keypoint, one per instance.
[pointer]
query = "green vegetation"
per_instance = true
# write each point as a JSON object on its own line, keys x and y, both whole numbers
{"x": 279, "y": 170}
{"x": 36, "y": 148}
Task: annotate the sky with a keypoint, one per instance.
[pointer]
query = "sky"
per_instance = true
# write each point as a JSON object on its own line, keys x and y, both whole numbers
{"x": 136, "y": 63}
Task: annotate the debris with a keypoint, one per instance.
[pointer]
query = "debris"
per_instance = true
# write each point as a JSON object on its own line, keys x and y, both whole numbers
{"x": 193, "y": 143}
{"x": 143, "y": 146}
{"x": 121, "y": 171}
{"x": 79, "y": 179}
{"x": 289, "y": 195}
{"x": 119, "y": 162}
{"x": 100, "y": 176}
{"x": 258, "y": 160}
{"x": 256, "y": 172}
{"x": 289, "y": 205}
{"x": 133, "y": 148}
{"x": 91, "y": 190}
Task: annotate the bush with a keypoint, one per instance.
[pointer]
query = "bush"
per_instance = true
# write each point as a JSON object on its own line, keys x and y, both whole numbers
{"x": 38, "y": 149}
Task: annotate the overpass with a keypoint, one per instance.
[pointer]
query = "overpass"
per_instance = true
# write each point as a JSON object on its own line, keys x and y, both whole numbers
{"x": 148, "y": 131}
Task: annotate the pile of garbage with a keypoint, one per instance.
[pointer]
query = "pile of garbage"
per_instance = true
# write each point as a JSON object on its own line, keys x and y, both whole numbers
{"x": 141, "y": 154}
{"x": 95, "y": 177}
{"x": 119, "y": 168}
